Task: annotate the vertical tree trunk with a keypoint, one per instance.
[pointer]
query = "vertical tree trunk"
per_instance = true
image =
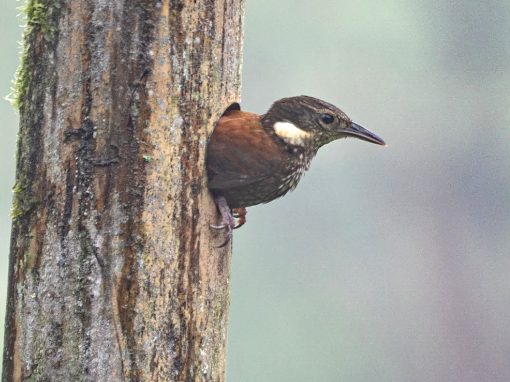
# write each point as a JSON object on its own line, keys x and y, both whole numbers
{"x": 114, "y": 273}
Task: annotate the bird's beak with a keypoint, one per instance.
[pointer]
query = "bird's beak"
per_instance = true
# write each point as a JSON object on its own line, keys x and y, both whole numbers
{"x": 360, "y": 132}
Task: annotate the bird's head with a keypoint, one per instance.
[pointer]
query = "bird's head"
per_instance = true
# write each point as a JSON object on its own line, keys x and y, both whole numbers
{"x": 310, "y": 122}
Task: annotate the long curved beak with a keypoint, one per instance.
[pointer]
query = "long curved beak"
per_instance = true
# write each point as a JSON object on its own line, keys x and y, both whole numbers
{"x": 360, "y": 132}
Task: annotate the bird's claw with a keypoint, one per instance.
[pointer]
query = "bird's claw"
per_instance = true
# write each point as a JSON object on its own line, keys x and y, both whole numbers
{"x": 227, "y": 239}
{"x": 229, "y": 226}
{"x": 228, "y": 221}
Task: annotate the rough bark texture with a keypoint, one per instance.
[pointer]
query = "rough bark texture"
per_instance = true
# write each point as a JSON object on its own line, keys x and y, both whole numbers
{"x": 114, "y": 274}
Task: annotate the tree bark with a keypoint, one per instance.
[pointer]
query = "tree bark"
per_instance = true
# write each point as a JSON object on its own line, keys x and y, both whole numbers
{"x": 114, "y": 271}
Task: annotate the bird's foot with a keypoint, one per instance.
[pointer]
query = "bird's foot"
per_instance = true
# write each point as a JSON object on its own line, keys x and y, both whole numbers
{"x": 228, "y": 221}
{"x": 240, "y": 214}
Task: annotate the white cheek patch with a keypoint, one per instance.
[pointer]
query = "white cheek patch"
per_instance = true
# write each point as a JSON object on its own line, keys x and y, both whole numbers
{"x": 291, "y": 134}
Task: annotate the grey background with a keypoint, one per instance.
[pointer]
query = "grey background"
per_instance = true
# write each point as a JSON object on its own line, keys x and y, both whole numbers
{"x": 385, "y": 264}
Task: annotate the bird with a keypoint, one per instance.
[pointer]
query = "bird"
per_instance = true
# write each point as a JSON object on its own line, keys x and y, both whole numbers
{"x": 253, "y": 159}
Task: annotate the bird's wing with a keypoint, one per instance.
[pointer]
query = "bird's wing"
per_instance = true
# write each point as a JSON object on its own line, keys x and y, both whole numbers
{"x": 240, "y": 152}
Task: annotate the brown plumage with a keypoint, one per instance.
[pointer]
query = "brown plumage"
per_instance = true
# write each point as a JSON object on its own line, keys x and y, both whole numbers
{"x": 254, "y": 159}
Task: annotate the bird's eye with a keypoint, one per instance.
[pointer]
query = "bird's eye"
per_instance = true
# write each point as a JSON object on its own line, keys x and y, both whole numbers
{"x": 327, "y": 118}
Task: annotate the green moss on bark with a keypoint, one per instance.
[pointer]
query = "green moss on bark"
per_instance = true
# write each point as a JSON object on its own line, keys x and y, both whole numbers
{"x": 21, "y": 203}
{"x": 35, "y": 15}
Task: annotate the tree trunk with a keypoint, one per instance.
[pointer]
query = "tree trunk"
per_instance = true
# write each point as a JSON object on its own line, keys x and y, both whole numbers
{"x": 114, "y": 271}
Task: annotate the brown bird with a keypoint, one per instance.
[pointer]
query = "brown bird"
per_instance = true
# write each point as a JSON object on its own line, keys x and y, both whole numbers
{"x": 254, "y": 159}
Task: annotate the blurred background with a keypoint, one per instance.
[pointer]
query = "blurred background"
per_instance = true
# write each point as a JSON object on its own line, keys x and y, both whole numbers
{"x": 386, "y": 264}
